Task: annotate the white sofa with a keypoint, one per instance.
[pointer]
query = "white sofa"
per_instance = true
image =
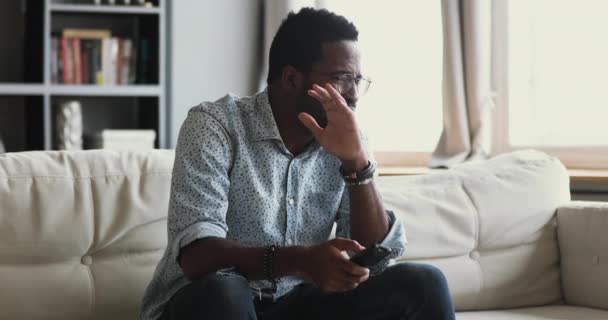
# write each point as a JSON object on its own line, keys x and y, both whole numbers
{"x": 81, "y": 233}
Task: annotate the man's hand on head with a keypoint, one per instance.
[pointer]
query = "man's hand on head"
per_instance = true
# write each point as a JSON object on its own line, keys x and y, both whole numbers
{"x": 340, "y": 137}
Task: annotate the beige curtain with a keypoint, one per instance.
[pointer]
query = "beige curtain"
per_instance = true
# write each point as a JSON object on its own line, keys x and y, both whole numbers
{"x": 467, "y": 96}
{"x": 275, "y": 11}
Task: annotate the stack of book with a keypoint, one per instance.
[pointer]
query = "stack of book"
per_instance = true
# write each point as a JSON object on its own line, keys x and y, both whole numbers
{"x": 134, "y": 139}
{"x": 92, "y": 56}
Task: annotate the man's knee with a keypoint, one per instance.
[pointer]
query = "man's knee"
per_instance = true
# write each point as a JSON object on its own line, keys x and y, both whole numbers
{"x": 223, "y": 287}
{"x": 224, "y": 296}
{"x": 423, "y": 278}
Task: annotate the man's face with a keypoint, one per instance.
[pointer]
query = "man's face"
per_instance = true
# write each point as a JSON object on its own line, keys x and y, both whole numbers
{"x": 339, "y": 58}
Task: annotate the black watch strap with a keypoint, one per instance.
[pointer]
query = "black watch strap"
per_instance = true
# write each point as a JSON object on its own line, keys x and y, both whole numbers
{"x": 356, "y": 177}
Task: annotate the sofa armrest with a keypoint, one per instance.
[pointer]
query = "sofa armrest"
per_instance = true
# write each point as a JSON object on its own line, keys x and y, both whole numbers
{"x": 582, "y": 230}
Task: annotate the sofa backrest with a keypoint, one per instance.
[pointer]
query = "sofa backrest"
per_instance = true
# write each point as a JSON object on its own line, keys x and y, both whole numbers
{"x": 489, "y": 226}
{"x": 80, "y": 232}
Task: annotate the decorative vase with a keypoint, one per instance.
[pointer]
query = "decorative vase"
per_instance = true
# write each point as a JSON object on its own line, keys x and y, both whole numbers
{"x": 69, "y": 126}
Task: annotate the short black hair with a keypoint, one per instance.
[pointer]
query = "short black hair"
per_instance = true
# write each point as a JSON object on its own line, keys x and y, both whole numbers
{"x": 299, "y": 40}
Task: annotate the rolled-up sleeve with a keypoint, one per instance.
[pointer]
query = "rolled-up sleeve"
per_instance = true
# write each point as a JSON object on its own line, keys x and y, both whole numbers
{"x": 394, "y": 239}
{"x": 200, "y": 183}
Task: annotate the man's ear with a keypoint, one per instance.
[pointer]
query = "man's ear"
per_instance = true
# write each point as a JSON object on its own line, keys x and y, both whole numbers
{"x": 291, "y": 79}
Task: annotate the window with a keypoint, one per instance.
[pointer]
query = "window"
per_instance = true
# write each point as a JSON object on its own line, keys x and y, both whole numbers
{"x": 552, "y": 81}
{"x": 401, "y": 45}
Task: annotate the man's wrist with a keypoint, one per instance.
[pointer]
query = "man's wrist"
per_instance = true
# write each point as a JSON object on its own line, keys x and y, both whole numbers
{"x": 289, "y": 261}
{"x": 355, "y": 165}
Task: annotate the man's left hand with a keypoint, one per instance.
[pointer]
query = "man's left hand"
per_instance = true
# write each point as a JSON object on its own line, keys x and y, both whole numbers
{"x": 341, "y": 135}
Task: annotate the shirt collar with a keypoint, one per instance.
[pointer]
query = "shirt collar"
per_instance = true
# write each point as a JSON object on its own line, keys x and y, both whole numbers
{"x": 264, "y": 124}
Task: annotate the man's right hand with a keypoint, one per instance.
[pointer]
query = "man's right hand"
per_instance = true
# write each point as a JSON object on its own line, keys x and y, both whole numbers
{"x": 330, "y": 269}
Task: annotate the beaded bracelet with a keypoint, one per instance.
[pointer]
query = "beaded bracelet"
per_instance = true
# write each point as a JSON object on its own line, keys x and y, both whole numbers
{"x": 268, "y": 261}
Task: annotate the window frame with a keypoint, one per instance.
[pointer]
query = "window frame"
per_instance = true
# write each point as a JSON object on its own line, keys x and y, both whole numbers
{"x": 573, "y": 157}
{"x": 393, "y": 159}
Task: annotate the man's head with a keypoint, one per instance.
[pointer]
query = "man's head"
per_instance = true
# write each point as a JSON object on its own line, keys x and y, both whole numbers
{"x": 315, "y": 46}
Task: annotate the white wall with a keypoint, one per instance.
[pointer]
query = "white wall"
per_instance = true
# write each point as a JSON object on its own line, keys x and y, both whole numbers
{"x": 215, "y": 48}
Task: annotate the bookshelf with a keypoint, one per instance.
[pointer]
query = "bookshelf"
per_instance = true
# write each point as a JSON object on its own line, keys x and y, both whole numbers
{"x": 29, "y": 94}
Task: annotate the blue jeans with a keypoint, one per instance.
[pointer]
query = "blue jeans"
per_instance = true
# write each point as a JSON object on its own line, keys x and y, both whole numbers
{"x": 402, "y": 291}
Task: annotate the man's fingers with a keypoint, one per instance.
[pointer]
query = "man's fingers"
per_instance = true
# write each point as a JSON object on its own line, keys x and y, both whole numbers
{"x": 356, "y": 278}
{"x": 325, "y": 102}
{"x": 336, "y": 96}
{"x": 328, "y": 96}
{"x": 309, "y": 122}
{"x": 355, "y": 269}
{"x": 322, "y": 92}
{"x": 344, "y": 244}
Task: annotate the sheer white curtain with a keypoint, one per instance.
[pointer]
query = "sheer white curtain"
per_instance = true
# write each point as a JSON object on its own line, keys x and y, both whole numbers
{"x": 467, "y": 96}
{"x": 275, "y": 11}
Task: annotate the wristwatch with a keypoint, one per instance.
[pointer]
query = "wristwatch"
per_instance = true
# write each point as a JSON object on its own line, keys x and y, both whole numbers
{"x": 357, "y": 178}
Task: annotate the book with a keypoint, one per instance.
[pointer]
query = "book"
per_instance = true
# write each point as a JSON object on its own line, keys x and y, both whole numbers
{"x": 77, "y": 60}
{"x": 135, "y": 139}
{"x": 109, "y": 57}
{"x": 88, "y": 71}
{"x": 80, "y": 64}
{"x": 66, "y": 58}
{"x": 143, "y": 61}
{"x": 97, "y": 72}
{"x": 86, "y": 33}
{"x": 119, "y": 62}
{"x": 93, "y": 56}
{"x": 54, "y": 60}
{"x": 126, "y": 58}
{"x": 85, "y": 60}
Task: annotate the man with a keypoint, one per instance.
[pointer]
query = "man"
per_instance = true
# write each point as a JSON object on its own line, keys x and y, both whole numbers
{"x": 258, "y": 184}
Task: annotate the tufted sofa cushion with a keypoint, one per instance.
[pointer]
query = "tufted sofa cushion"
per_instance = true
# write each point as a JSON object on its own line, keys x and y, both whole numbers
{"x": 80, "y": 232}
{"x": 489, "y": 226}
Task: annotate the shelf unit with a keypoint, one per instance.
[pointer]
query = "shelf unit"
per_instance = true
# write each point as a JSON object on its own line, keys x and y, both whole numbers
{"x": 29, "y": 99}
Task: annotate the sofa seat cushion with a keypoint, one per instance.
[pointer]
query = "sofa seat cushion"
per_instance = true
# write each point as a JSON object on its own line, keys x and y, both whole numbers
{"x": 489, "y": 226}
{"x": 554, "y": 312}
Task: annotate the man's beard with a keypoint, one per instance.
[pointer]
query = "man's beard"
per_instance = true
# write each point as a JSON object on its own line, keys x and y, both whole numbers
{"x": 313, "y": 107}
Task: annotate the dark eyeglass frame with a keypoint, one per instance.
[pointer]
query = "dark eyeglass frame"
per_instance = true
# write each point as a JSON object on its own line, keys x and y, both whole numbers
{"x": 347, "y": 81}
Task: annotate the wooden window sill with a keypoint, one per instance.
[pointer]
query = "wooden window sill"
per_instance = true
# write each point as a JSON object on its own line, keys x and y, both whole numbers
{"x": 576, "y": 175}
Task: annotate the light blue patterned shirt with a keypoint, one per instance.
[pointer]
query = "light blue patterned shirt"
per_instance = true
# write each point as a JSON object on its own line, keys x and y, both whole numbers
{"x": 234, "y": 178}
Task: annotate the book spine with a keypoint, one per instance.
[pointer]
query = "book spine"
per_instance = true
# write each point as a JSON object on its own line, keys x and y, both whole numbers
{"x": 85, "y": 49}
{"x": 60, "y": 61}
{"x": 54, "y": 60}
{"x": 108, "y": 60}
{"x": 126, "y": 60}
{"x": 133, "y": 63}
{"x": 143, "y": 61}
{"x": 66, "y": 58}
{"x": 96, "y": 62}
{"x": 119, "y": 62}
{"x": 77, "y": 60}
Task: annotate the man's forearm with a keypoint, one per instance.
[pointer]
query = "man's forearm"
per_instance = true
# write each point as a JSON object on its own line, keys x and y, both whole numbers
{"x": 208, "y": 255}
{"x": 369, "y": 223}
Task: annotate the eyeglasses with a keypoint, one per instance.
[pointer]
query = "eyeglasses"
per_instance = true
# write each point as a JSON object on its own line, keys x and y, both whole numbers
{"x": 346, "y": 81}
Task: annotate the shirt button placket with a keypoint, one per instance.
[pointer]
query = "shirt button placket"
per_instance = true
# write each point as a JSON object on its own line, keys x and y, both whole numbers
{"x": 291, "y": 207}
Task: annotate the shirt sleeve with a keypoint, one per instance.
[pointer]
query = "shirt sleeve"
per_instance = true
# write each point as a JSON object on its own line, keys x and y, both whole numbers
{"x": 200, "y": 182}
{"x": 395, "y": 238}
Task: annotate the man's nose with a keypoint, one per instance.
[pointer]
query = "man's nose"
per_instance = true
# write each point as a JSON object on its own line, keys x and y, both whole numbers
{"x": 352, "y": 95}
